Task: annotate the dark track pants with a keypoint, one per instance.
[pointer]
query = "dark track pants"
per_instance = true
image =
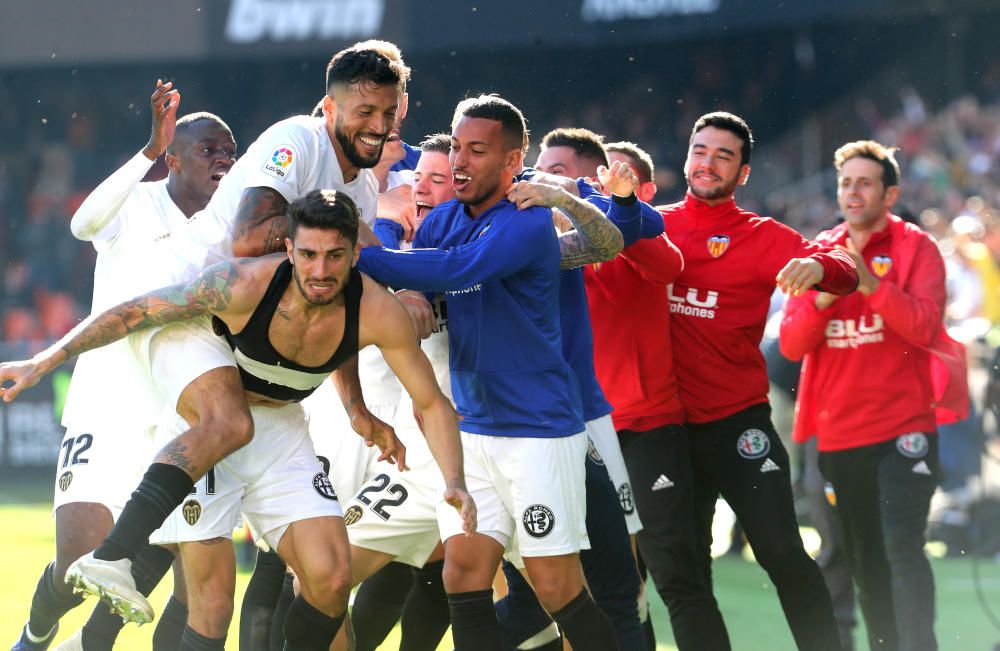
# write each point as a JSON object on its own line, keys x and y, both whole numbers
{"x": 741, "y": 458}
{"x": 883, "y": 497}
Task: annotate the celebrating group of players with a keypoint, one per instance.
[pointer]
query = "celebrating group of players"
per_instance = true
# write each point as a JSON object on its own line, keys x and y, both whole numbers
{"x": 602, "y": 356}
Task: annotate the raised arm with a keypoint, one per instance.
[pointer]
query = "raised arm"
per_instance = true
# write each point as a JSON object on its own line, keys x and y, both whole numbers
{"x": 209, "y": 293}
{"x": 594, "y": 238}
{"x": 95, "y": 218}
{"x": 260, "y": 225}
{"x": 391, "y": 331}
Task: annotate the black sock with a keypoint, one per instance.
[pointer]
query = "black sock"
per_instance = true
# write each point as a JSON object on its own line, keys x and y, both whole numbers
{"x": 259, "y": 601}
{"x": 161, "y": 490}
{"x": 101, "y": 630}
{"x": 170, "y": 629}
{"x": 585, "y": 626}
{"x": 647, "y": 630}
{"x": 281, "y": 613}
{"x": 48, "y": 605}
{"x": 474, "y": 624}
{"x": 307, "y": 629}
{"x": 195, "y": 641}
{"x": 425, "y": 613}
{"x": 378, "y": 604}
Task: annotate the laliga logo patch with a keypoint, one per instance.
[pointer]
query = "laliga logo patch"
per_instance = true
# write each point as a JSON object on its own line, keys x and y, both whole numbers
{"x": 717, "y": 245}
{"x": 538, "y": 520}
{"x": 65, "y": 480}
{"x": 592, "y": 452}
{"x": 279, "y": 162}
{"x": 753, "y": 444}
{"x": 352, "y": 514}
{"x": 881, "y": 264}
{"x": 323, "y": 486}
{"x": 191, "y": 511}
{"x": 625, "y": 498}
{"x": 913, "y": 445}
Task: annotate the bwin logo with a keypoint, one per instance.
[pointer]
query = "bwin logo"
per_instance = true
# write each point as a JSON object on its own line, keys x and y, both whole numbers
{"x": 693, "y": 303}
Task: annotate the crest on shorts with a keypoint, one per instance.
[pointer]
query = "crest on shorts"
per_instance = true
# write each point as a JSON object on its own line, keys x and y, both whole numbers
{"x": 625, "y": 498}
{"x": 65, "y": 480}
{"x": 717, "y": 245}
{"x": 881, "y": 264}
{"x": 352, "y": 514}
{"x": 538, "y": 520}
{"x": 323, "y": 486}
{"x": 753, "y": 444}
{"x": 592, "y": 452}
{"x": 913, "y": 445}
{"x": 191, "y": 511}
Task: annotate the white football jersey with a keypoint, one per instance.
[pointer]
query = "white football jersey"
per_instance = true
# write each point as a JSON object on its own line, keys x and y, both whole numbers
{"x": 144, "y": 249}
{"x": 293, "y": 157}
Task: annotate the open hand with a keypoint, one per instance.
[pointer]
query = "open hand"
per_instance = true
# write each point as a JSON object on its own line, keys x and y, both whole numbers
{"x": 619, "y": 179}
{"x": 163, "y": 104}
{"x": 799, "y": 275}
{"x": 377, "y": 432}
{"x": 466, "y": 507}
{"x": 24, "y": 375}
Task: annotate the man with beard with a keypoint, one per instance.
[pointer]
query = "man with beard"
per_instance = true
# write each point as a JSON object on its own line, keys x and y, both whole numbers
{"x": 870, "y": 394}
{"x": 718, "y": 304}
{"x": 193, "y": 368}
{"x": 327, "y": 314}
{"x": 518, "y": 397}
{"x": 110, "y": 407}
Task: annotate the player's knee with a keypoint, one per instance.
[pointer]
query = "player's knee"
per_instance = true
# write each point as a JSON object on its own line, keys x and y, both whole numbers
{"x": 463, "y": 574}
{"x": 330, "y": 592}
{"x": 231, "y": 430}
{"x": 555, "y": 590}
{"x": 211, "y": 612}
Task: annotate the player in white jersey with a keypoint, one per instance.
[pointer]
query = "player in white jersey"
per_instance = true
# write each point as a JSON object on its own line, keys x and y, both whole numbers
{"x": 111, "y": 406}
{"x": 195, "y": 370}
{"x": 287, "y": 336}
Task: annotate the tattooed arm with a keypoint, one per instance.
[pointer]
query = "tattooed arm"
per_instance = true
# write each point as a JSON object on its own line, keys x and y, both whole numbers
{"x": 210, "y": 293}
{"x": 594, "y": 238}
{"x": 261, "y": 225}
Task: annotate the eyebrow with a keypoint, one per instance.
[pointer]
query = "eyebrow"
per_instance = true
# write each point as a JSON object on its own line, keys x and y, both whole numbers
{"x": 724, "y": 150}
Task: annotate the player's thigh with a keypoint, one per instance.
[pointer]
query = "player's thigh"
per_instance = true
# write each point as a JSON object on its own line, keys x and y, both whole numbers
{"x": 80, "y": 528}
{"x": 319, "y": 553}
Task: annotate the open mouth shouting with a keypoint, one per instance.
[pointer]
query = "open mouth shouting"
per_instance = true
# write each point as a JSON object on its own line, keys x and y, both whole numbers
{"x": 460, "y": 180}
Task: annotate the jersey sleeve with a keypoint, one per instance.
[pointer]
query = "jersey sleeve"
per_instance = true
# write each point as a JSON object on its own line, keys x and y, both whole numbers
{"x": 97, "y": 218}
{"x": 840, "y": 276}
{"x": 803, "y": 326}
{"x": 281, "y": 164}
{"x": 657, "y": 259}
{"x": 915, "y": 311}
{"x": 487, "y": 258}
{"x": 388, "y": 232}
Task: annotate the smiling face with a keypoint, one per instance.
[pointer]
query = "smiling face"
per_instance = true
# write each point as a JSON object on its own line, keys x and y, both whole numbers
{"x": 321, "y": 263}
{"x": 861, "y": 193}
{"x": 431, "y": 183}
{"x": 713, "y": 168}
{"x": 359, "y": 119}
{"x": 482, "y": 165}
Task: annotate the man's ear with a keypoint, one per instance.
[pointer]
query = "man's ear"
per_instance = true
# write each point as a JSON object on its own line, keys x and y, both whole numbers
{"x": 173, "y": 163}
{"x": 289, "y": 249}
{"x": 646, "y": 191}
{"x": 404, "y": 105}
{"x": 329, "y": 108}
{"x": 744, "y": 174}
{"x": 514, "y": 162}
{"x": 891, "y": 196}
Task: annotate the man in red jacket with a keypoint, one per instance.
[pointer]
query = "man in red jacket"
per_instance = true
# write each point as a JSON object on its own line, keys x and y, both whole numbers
{"x": 732, "y": 261}
{"x": 868, "y": 394}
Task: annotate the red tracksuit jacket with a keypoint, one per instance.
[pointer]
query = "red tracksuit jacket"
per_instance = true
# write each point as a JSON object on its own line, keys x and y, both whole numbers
{"x": 719, "y": 302}
{"x": 631, "y": 323}
{"x": 869, "y": 370}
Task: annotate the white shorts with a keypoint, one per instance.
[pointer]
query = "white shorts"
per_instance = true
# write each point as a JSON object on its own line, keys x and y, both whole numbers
{"x": 344, "y": 455}
{"x": 607, "y": 451}
{"x": 396, "y": 512}
{"x": 274, "y": 481}
{"x": 103, "y": 466}
{"x": 528, "y": 491}
{"x": 177, "y": 354}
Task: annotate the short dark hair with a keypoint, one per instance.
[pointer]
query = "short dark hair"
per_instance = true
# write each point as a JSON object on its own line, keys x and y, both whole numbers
{"x": 390, "y": 51}
{"x": 368, "y": 66}
{"x": 643, "y": 162}
{"x": 186, "y": 122}
{"x": 585, "y": 143}
{"x": 439, "y": 142}
{"x": 874, "y": 151}
{"x": 326, "y": 210}
{"x": 731, "y": 123}
{"x": 493, "y": 107}
{"x": 317, "y": 110}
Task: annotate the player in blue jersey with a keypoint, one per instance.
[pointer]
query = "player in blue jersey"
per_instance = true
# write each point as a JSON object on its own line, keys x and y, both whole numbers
{"x": 523, "y": 427}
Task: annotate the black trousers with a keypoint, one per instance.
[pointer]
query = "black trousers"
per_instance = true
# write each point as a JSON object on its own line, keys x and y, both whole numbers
{"x": 677, "y": 475}
{"x": 883, "y": 497}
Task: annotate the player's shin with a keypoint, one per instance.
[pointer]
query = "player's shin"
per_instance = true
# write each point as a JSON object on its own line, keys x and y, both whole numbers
{"x": 308, "y": 629}
{"x": 585, "y": 626}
